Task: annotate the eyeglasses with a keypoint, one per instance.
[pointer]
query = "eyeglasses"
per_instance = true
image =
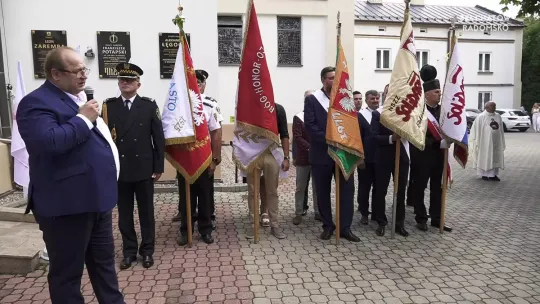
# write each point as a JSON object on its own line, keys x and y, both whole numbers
{"x": 79, "y": 73}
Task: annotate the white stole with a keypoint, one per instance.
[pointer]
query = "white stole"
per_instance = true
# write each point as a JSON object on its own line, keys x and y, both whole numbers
{"x": 300, "y": 116}
{"x": 322, "y": 99}
{"x": 367, "y": 114}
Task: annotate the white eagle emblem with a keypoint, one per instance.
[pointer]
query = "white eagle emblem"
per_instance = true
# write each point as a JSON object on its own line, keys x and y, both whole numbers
{"x": 347, "y": 102}
{"x": 196, "y": 107}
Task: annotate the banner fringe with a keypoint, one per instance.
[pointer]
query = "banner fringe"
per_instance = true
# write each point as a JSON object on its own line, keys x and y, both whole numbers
{"x": 179, "y": 140}
{"x": 181, "y": 170}
{"x": 337, "y": 160}
{"x": 257, "y": 131}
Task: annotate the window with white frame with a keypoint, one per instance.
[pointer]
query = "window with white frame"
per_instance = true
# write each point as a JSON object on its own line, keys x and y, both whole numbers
{"x": 383, "y": 59}
{"x": 484, "y": 62}
{"x": 422, "y": 57}
{"x": 484, "y": 97}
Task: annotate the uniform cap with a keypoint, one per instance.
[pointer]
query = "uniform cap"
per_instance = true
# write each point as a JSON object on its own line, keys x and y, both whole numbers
{"x": 428, "y": 73}
{"x": 202, "y": 75}
{"x": 128, "y": 70}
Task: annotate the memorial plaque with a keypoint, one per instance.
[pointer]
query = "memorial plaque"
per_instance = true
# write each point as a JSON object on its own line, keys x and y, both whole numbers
{"x": 113, "y": 48}
{"x": 168, "y": 48}
{"x": 42, "y": 43}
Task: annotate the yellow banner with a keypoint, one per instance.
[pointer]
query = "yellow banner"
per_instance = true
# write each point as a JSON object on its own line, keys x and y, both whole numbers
{"x": 404, "y": 106}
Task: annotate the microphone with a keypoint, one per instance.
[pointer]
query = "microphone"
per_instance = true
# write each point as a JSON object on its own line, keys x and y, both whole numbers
{"x": 89, "y": 91}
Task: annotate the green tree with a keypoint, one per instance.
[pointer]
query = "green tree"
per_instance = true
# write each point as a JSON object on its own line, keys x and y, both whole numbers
{"x": 530, "y": 66}
{"x": 528, "y": 7}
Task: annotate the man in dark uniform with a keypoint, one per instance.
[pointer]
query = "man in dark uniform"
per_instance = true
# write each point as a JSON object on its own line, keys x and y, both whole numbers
{"x": 208, "y": 103}
{"x": 429, "y": 163}
{"x": 135, "y": 124}
{"x": 385, "y": 156}
{"x": 202, "y": 190}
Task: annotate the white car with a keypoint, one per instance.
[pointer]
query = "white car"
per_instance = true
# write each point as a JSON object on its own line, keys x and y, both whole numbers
{"x": 514, "y": 119}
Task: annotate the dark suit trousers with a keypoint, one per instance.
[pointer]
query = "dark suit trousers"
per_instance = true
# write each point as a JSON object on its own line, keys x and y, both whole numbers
{"x": 366, "y": 183}
{"x": 201, "y": 203}
{"x": 384, "y": 169}
{"x": 213, "y": 207}
{"x": 322, "y": 175}
{"x": 144, "y": 192}
{"x": 73, "y": 241}
{"x": 428, "y": 165}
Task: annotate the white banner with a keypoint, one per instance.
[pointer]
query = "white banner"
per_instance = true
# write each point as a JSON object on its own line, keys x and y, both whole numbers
{"x": 18, "y": 147}
{"x": 453, "y": 120}
{"x": 177, "y": 113}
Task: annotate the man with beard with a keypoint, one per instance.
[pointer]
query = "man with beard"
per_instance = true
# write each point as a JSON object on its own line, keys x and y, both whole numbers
{"x": 429, "y": 163}
{"x": 322, "y": 165}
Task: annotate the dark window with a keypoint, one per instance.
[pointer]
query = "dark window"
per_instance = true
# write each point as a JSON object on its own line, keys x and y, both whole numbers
{"x": 483, "y": 97}
{"x": 229, "y": 39}
{"x": 484, "y": 62}
{"x": 289, "y": 41}
{"x": 383, "y": 59}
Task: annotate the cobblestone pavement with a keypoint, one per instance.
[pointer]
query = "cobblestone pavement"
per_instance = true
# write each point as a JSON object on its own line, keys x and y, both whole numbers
{"x": 490, "y": 257}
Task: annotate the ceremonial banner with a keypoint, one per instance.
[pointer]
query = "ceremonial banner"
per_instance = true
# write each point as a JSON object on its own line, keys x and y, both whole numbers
{"x": 453, "y": 119}
{"x": 21, "y": 174}
{"x": 187, "y": 139}
{"x": 342, "y": 129}
{"x": 404, "y": 107}
{"x": 256, "y": 122}
{"x": 435, "y": 130}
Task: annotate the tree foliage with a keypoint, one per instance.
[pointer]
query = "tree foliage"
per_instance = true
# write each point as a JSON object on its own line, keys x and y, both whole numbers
{"x": 530, "y": 67}
{"x": 528, "y": 7}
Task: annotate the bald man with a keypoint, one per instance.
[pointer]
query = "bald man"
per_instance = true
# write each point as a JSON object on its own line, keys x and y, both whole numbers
{"x": 487, "y": 144}
{"x": 303, "y": 168}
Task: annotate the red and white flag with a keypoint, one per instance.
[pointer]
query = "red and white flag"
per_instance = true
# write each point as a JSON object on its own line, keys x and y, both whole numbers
{"x": 453, "y": 119}
{"x": 256, "y": 124}
{"x": 435, "y": 129}
{"x": 21, "y": 174}
{"x": 187, "y": 138}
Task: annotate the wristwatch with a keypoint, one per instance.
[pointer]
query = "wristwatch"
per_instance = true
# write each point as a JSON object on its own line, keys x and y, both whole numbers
{"x": 286, "y": 157}
{"x": 216, "y": 161}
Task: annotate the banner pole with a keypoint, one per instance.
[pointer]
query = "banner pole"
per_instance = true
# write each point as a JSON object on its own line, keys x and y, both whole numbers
{"x": 338, "y": 207}
{"x": 444, "y": 187}
{"x": 188, "y": 215}
{"x": 396, "y": 185}
{"x": 256, "y": 179}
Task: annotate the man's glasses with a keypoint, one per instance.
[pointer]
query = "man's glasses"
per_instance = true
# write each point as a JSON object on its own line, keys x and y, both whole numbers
{"x": 79, "y": 73}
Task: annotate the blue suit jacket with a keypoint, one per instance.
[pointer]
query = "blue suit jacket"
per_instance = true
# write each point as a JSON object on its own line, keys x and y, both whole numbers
{"x": 368, "y": 141}
{"x": 315, "y": 122}
{"x": 381, "y": 136}
{"x": 72, "y": 168}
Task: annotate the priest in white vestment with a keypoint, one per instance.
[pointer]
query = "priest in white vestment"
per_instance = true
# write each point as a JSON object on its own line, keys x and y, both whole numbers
{"x": 486, "y": 142}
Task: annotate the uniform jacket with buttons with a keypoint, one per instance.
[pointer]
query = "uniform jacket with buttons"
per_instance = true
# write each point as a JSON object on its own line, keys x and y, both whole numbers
{"x": 138, "y": 134}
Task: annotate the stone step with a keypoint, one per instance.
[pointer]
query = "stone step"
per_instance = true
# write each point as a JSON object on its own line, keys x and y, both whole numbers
{"x": 20, "y": 245}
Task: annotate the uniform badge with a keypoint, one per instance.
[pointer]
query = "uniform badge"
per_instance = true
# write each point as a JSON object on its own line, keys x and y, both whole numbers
{"x": 157, "y": 114}
{"x": 113, "y": 134}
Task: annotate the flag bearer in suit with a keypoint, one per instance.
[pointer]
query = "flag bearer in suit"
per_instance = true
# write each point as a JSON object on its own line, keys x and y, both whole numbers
{"x": 429, "y": 163}
{"x": 73, "y": 180}
{"x": 366, "y": 176}
{"x": 385, "y": 156}
{"x": 322, "y": 165}
{"x": 202, "y": 191}
{"x": 135, "y": 124}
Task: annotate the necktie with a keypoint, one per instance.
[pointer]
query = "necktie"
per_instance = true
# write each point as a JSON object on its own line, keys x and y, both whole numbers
{"x": 126, "y": 104}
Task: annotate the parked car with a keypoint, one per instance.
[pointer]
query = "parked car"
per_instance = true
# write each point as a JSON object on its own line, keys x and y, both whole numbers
{"x": 514, "y": 119}
{"x": 471, "y": 116}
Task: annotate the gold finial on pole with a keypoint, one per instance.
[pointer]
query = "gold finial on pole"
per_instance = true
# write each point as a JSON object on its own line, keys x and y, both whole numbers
{"x": 179, "y": 19}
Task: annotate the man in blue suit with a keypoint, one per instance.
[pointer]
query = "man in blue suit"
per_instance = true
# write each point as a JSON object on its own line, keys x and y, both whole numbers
{"x": 366, "y": 175}
{"x": 322, "y": 166}
{"x": 385, "y": 156}
{"x": 73, "y": 180}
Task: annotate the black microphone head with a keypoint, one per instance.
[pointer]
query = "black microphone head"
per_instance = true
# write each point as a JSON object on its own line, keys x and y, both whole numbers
{"x": 89, "y": 91}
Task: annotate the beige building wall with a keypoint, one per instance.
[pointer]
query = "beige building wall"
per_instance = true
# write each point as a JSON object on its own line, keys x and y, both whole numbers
{"x": 5, "y": 172}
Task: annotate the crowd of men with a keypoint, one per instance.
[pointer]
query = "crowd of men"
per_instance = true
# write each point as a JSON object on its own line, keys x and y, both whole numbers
{"x": 83, "y": 164}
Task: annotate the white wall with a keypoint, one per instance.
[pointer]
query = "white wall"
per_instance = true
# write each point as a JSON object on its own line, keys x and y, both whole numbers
{"x": 143, "y": 19}
{"x": 506, "y": 69}
{"x": 289, "y": 83}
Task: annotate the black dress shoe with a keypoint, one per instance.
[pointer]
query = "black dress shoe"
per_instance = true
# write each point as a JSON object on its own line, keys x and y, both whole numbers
{"x": 422, "y": 226}
{"x": 148, "y": 261}
{"x": 182, "y": 240}
{"x": 401, "y": 231}
{"x": 445, "y": 228}
{"x": 207, "y": 238}
{"x": 495, "y": 178}
{"x": 485, "y": 178}
{"x": 126, "y": 262}
{"x": 364, "y": 220}
{"x": 325, "y": 235}
{"x": 380, "y": 230}
{"x": 349, "y": 236}
{"x": 304, "y": 212}
{"x": 176, "y": 218}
